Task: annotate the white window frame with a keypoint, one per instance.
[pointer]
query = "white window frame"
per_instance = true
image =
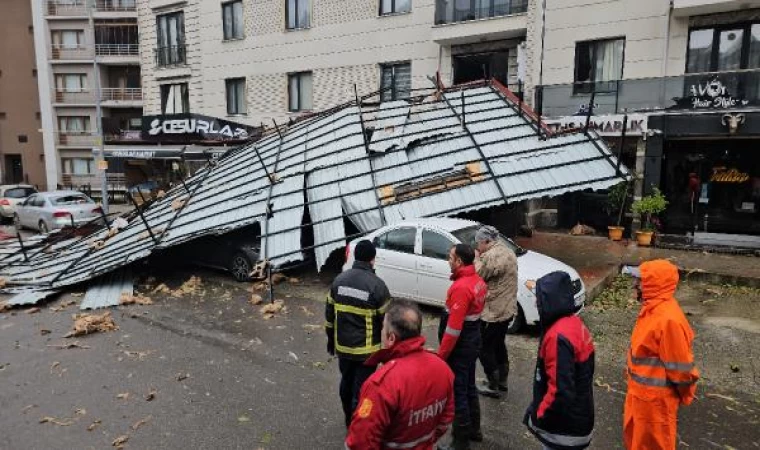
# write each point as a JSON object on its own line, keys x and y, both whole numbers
{"x": 236, "y": 93}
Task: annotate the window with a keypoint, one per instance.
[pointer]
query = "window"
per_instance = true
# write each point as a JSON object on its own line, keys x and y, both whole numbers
{"x": 71, "y": 82}
{"x": 467, "y": 236}
{"x": 170, "y": 29}
{"x": 236, "y": 96}
{"x": 398, "y": 240}
{"x": 297, "y": 14}
{"x": 34, "y": 73}
{"x": 395, "y": 6}
{"x": 78, "y": 166}
{"x": 435, "y": 245}
{"x": 175, "y": 99}
{"x": 68, "y": 39}
{"x": 300, "y": 91}
{"x": 20, "y": 192}
{"x": 23, "y": 139}
{"x": 74, "y": 124}
{"x": 232, "y": 20}
{"x": 598, "y": 65}
{"x": 395, "y": 81}
{"x": 723, "y": 49}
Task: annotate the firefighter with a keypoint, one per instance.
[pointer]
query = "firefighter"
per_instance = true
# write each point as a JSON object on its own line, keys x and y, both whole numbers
{"x": 354, "y": 317}
{"x": 459, "y": 333}
{"x": 661, "y": 371}
{"x": 409, "y": 402}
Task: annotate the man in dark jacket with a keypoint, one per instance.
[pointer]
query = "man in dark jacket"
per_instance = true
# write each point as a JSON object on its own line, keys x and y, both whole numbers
{"x": 561, "y": 415}
{"x": 353, "y": 320}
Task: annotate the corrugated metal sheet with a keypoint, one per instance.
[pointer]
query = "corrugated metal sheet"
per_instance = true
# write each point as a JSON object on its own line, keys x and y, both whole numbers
{"x": 109, "y": 290}
{"x": 412, "y": 142}
{"x": 30, "y": 297}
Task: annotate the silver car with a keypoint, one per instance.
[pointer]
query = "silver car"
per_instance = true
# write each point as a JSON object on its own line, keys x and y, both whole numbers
{"x": 11, "y": 195}
{"x": 45, "y": 211}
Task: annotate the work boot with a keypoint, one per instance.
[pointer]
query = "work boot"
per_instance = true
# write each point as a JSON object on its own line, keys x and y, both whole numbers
{"x": 490, "y": 388}
{"x": 460, "y": 433}
{"x": 475, "y": 433}
{"x": 503, "y": 374}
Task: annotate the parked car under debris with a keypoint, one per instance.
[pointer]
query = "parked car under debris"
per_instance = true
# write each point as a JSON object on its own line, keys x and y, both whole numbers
{"x": 46, "y": 211}
{"x": 412, "y": 259}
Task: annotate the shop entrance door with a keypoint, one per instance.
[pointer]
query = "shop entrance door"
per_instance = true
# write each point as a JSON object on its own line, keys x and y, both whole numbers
{"x": 14, "y": 170}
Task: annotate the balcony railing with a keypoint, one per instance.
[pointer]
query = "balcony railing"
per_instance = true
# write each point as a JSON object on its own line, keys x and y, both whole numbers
{"x": 452, "y": 11}
{"x": 81, "y": 96}
{"x": 171, "y": 56}
{"x": 67, "y": 8}
{"x": 696, "y": 92}
{"x": 121, "y": 94}
{"x": 116, "y": 5}
{"x": 77, "y": 138}
{"x": 117, "y": 49}
{"x": 68, "y": 52}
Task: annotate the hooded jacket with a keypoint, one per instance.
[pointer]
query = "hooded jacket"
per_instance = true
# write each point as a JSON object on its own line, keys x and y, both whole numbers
{"x": 562, "y": 412}
{"x": 407, "y": 403}
{"x": 660, "y": 360}
{"x": 497, "y": 266}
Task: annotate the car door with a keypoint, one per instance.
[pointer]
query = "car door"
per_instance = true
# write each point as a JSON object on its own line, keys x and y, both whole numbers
{"x": 396, "y": 262}
{"x": 434, "y": 272}
{"x": 26, "y": 210}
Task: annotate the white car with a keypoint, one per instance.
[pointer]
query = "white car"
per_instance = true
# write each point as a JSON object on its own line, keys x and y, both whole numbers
{"x": 412, "y": 259}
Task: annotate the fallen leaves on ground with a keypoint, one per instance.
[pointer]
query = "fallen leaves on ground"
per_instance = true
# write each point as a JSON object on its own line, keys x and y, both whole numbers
{"x": 92, "y": 323}
{"x": 255, "y": 299}
{"x": 272, "y": 309}
{"x": 34, "y": 310}
{"x": 306, "y": 311}
{"x": 244, "y": 419}
{"x": 120, "y": 441}
{"x": 278, "y": 278}
{"x": 129, "y": 299}
{"x": 55, "y": 368}
{"x": 310, "y": 327}
{"x": 161, "y": 289}
{"x": 59, "y": 422}
{"x": 140, "y": 423}
{"x": 138, "y": 355}
{"x": 94, "y": 424}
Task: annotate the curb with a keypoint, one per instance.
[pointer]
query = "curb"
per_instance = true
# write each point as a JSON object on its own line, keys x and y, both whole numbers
{"x": 703, "y": 276}
{"x": 609, "y": 277}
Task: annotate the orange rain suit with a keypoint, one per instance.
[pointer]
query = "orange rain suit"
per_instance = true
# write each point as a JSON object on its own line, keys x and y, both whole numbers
{"x": 661, "y": 371}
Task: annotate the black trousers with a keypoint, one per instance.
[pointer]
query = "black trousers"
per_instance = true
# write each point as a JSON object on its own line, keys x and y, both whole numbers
{"x": 462, "y": 362}
{"x": 353, "y": 375}
{"x": 493, "y": 352}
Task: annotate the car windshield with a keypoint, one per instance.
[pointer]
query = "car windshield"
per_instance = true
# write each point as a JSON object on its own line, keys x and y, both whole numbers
{"x": 467, "y": 236}
{"x": 72, "y": 199}
{"x": 20, "y": 192}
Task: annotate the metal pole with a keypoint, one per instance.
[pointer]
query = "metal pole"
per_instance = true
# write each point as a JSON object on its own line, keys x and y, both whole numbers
{"x": 464, "y": 117}
{"x": 622, "y": 142}
{"x": 99, "y": 116}
{"x": 369, "y": 159}
{"x": 590, "y": 111}
{"x": 520, "y": 100}
{"x": 145, "y": 222}
{"x": 21, "y": 243}
{"x": 105, "y": 219}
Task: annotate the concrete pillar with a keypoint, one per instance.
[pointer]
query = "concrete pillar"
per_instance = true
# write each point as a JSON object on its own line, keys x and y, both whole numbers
{"x": 638, "y": 182}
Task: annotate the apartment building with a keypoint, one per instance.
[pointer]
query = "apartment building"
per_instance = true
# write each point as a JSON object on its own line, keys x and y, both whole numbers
{"x": 685, "y": 77}
{"x": 258, "y": 61}
{"x": 87, "y": 60}
{"x": 21, "y": 149}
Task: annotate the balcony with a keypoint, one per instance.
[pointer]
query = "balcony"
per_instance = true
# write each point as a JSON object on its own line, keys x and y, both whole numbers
{"x": 117, "y": 49}
{"x": 682, "y": 8}
{"x": 121, "y": 94}
{"x": 77, "y": 138}
{"x": 463, "y": 22}
{"x": 714, "y": 91}
{"x": 116, "y": 6}
{"x": 67, "y": 8}
{"x": 74, "y": 97}
{"x": 175, "y": 55}
{"x": 65, "y": 52}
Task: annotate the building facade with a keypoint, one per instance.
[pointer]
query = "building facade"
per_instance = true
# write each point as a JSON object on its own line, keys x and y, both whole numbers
{"x": 21, "y": 148}
{"x": 260, "y": 61}
{"x": 685, "y": 75}
{"x": 88, "y": 61}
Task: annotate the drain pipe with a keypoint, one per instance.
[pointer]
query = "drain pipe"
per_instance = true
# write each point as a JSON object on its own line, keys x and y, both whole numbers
{"x": 666, "y": 51}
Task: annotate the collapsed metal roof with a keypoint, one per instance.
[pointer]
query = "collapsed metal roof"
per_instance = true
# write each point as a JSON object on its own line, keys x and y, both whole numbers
{"x": 441, "y": 153}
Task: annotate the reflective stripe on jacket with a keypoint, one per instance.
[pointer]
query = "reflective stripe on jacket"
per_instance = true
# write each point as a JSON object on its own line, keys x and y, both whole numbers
{"x": 354, "y": 311}
{"x": 464, "y": 302}
{"x": 406, "y": 404}
{"x": 660, "y": 359}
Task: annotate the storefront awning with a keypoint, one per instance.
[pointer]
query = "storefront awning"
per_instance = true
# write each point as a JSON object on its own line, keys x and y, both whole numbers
{"x": 190, "y": 153}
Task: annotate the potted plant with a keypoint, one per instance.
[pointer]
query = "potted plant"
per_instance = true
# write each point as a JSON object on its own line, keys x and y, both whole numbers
{"x": 647, "y": 209}
{"x": 616, "y": 197}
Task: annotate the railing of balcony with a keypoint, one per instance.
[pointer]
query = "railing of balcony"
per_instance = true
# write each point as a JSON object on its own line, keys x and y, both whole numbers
{"x": 67, "y": 52}
{"x": 67, "y": 7}
{"x": 81, "y": 96}
{"x": 117, "y": 49}
{"x": 171, "y": 56}
{"x": 697, "y": 92}
{"x": 452, "y": 11}
{"x": 121, "y": 94}
{"x": 116, "y": 5}
{"x": 77, "y": 138}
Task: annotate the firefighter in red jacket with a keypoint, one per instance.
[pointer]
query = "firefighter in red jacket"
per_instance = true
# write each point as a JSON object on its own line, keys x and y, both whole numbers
{"x": 409, "y": 402}
{"x": 459, "y": 333}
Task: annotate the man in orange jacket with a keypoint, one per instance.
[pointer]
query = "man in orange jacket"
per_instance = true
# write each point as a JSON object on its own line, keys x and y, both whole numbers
{"x": 661, "y": 370}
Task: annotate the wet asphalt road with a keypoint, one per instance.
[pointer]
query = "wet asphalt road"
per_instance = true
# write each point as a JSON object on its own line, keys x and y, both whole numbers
{"x": 225, "y": 377}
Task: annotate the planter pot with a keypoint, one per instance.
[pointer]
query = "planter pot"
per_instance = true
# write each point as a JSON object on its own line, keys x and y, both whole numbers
{"x": 616, "y": 233}
{"x": 644, "y": 238}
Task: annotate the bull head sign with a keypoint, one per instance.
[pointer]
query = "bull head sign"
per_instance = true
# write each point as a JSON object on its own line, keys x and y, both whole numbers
{"x": 732, "y": 121}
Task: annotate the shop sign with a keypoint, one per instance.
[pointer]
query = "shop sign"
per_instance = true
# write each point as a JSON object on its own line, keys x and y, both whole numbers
{"x": 710, "y": 94}
{"x": 193, "y": 127}
{"x": 611, "y": 125}
{"x": 721, "y": 175}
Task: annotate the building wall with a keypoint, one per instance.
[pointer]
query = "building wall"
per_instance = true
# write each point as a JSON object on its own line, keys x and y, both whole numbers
{"x": 19, "y": 99}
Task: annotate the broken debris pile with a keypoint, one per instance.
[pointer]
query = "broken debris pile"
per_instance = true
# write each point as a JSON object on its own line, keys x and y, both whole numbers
{"x": 92, "y": 323}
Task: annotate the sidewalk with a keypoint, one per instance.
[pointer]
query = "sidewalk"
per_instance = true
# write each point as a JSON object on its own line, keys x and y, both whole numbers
{"x": 598, "y": 260}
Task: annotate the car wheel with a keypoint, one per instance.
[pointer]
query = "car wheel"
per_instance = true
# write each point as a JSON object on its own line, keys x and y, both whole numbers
{"x": 241, "y": 267}
{"x": 43, "y": 227}
{"x": 518, "y": 322}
